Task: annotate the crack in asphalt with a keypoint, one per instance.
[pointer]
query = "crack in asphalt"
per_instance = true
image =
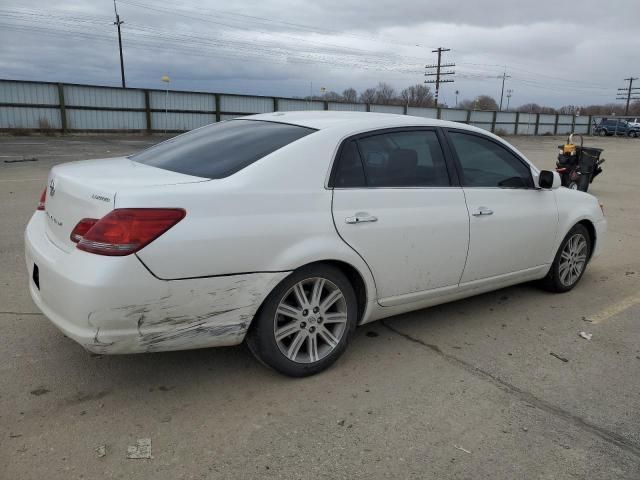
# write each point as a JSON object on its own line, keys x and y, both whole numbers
{"x": 607, "y": 435}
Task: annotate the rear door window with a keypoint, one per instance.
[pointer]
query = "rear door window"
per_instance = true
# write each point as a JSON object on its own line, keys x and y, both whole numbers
{"x": 349, "y": 173}
{"x": 401, "y": 159}
{"x": 221, "y": 149}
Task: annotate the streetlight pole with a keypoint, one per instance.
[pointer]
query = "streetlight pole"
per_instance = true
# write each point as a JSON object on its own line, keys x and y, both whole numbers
{"x": 167, "y": 80}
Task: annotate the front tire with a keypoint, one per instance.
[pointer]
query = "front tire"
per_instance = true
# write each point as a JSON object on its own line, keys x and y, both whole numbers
{"x": 570, "y": 261}
{"x": 306, "y": 322}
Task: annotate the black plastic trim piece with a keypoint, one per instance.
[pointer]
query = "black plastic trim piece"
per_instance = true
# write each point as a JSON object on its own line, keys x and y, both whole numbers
{"x": 206, "y": 276}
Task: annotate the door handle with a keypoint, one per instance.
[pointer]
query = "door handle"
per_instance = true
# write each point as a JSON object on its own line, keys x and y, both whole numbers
{"x": 482, "y": 211}
{"x": 361, "y": 217}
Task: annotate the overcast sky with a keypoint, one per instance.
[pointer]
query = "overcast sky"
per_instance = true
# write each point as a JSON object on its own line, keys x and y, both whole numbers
{"x": 557, "y": 52}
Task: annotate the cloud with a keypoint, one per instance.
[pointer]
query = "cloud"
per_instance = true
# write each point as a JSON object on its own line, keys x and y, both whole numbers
{"x": 555, "y": 52}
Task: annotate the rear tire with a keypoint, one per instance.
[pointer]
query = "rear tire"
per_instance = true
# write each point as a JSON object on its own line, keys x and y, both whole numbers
{"x": 306, "y": 322}
{"x": 602, "y": 133}
{"x": 570, "y": 261}
{"x": 583, "y": 182}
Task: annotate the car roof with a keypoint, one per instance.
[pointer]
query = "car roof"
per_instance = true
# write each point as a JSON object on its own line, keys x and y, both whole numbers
{"x": 353, "y": 122}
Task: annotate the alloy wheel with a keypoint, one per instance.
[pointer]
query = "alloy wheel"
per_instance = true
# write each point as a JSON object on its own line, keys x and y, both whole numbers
{"x": 573, "y": 259}
{"x": 310, "y": 320}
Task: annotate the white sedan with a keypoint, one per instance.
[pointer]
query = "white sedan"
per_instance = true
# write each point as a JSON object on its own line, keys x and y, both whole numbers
{"x": 288, "y": 230}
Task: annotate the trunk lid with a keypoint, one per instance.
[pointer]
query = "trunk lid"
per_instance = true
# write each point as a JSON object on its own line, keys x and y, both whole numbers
{"x": 88, "y": 189}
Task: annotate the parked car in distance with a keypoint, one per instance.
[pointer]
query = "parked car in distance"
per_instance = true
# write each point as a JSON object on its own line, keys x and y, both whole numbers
{"x": 288, "y": 230}
{"x": 616, "y": 127}
{"x": 634, "y": 123}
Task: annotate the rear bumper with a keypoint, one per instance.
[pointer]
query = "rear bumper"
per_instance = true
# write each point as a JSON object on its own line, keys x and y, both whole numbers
{"x": 114, "y": 305}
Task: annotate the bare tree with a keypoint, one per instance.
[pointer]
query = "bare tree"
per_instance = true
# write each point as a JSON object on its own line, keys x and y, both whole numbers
{"x": 606, "y": 109}
{"x": 466, "y": 104}
{"x": 368, "y": 96}
{"x": 385, "y": 94}
{"x": 568, "y": 109}
{"x": 418, "y": 95}
{"x": 485, "y": 102}
{"x": 332, "y": 96}
{"x": 350, "y": 95}
{"x": 535, "y": 108}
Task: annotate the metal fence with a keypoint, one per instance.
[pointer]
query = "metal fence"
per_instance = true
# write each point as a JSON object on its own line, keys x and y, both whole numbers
{"x": 62, "y": 107}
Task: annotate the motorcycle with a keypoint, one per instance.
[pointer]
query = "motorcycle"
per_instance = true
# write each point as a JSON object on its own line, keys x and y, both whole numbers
{"x": 578, "y": 165}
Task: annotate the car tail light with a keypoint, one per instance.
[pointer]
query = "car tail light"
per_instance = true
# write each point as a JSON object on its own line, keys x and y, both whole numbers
{"x": 126, "y": 230}
{"x": 43, "y": 198}
{"x": 81, "y": 229}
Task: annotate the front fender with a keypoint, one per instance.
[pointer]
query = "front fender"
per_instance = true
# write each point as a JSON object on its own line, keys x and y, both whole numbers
{"x": 574, "y": 207}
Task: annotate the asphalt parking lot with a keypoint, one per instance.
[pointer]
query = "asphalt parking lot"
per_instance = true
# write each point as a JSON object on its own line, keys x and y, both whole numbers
{"x": 498, "y": 386}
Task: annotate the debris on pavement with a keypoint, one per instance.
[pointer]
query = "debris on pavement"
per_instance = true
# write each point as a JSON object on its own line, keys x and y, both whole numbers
{"x": 39, "y": 391}
{"x": 341, "y": 422}
{"x": 462, "y": 449}
{"x": 142, "y": 449}
{"x": 585, "y": 335}
{"x": 101, "y": 450}
{"x": 32, "y": 159}
{"x": 559, "y": 357}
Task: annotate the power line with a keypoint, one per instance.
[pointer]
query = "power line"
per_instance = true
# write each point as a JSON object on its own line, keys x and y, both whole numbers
{"x": 344, "y": 56}
{"x": 438, "y": 71}
{"x": 629, "y": 91}
{"x": 299, "y": 26}
{"x": 201, "y": 47}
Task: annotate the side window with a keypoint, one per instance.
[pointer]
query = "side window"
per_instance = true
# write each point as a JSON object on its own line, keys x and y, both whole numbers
{"x": 349, "y": 172}
{"x": 486, "y": 164}
{"x": 404, "y": 159}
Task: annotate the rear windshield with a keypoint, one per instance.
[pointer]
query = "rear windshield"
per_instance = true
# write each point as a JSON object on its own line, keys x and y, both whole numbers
{"x": 220, "y": 149}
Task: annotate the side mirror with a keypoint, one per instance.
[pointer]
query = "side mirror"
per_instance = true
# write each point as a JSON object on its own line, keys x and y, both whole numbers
{"x": 549, "y": 180}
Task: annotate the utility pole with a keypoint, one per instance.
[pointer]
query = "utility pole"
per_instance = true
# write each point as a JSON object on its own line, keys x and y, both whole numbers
{"x": 504, "y": 77}
{"x": 509, "y": 93}
{"x": 629, "y": 91}
{"x": 117, "y": 23}
{"x": 439, "y": 73}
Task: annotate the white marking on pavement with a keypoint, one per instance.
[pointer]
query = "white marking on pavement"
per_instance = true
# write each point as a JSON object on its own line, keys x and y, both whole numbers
{"x": 44, "y": 156}
{"x": 23, "y": 180}
{"x": 615, "y": 309}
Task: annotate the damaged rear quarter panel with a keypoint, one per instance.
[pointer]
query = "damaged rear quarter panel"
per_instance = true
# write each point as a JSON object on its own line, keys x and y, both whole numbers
{"x": 194, "y": 313}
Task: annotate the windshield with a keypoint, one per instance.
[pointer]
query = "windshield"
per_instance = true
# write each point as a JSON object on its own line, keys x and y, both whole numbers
{"x": 221, "y": 149}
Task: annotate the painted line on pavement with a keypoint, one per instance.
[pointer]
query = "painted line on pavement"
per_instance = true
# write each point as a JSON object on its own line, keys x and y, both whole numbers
{"x": 615, "y": 309}
{"x": 24, "y": 180}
